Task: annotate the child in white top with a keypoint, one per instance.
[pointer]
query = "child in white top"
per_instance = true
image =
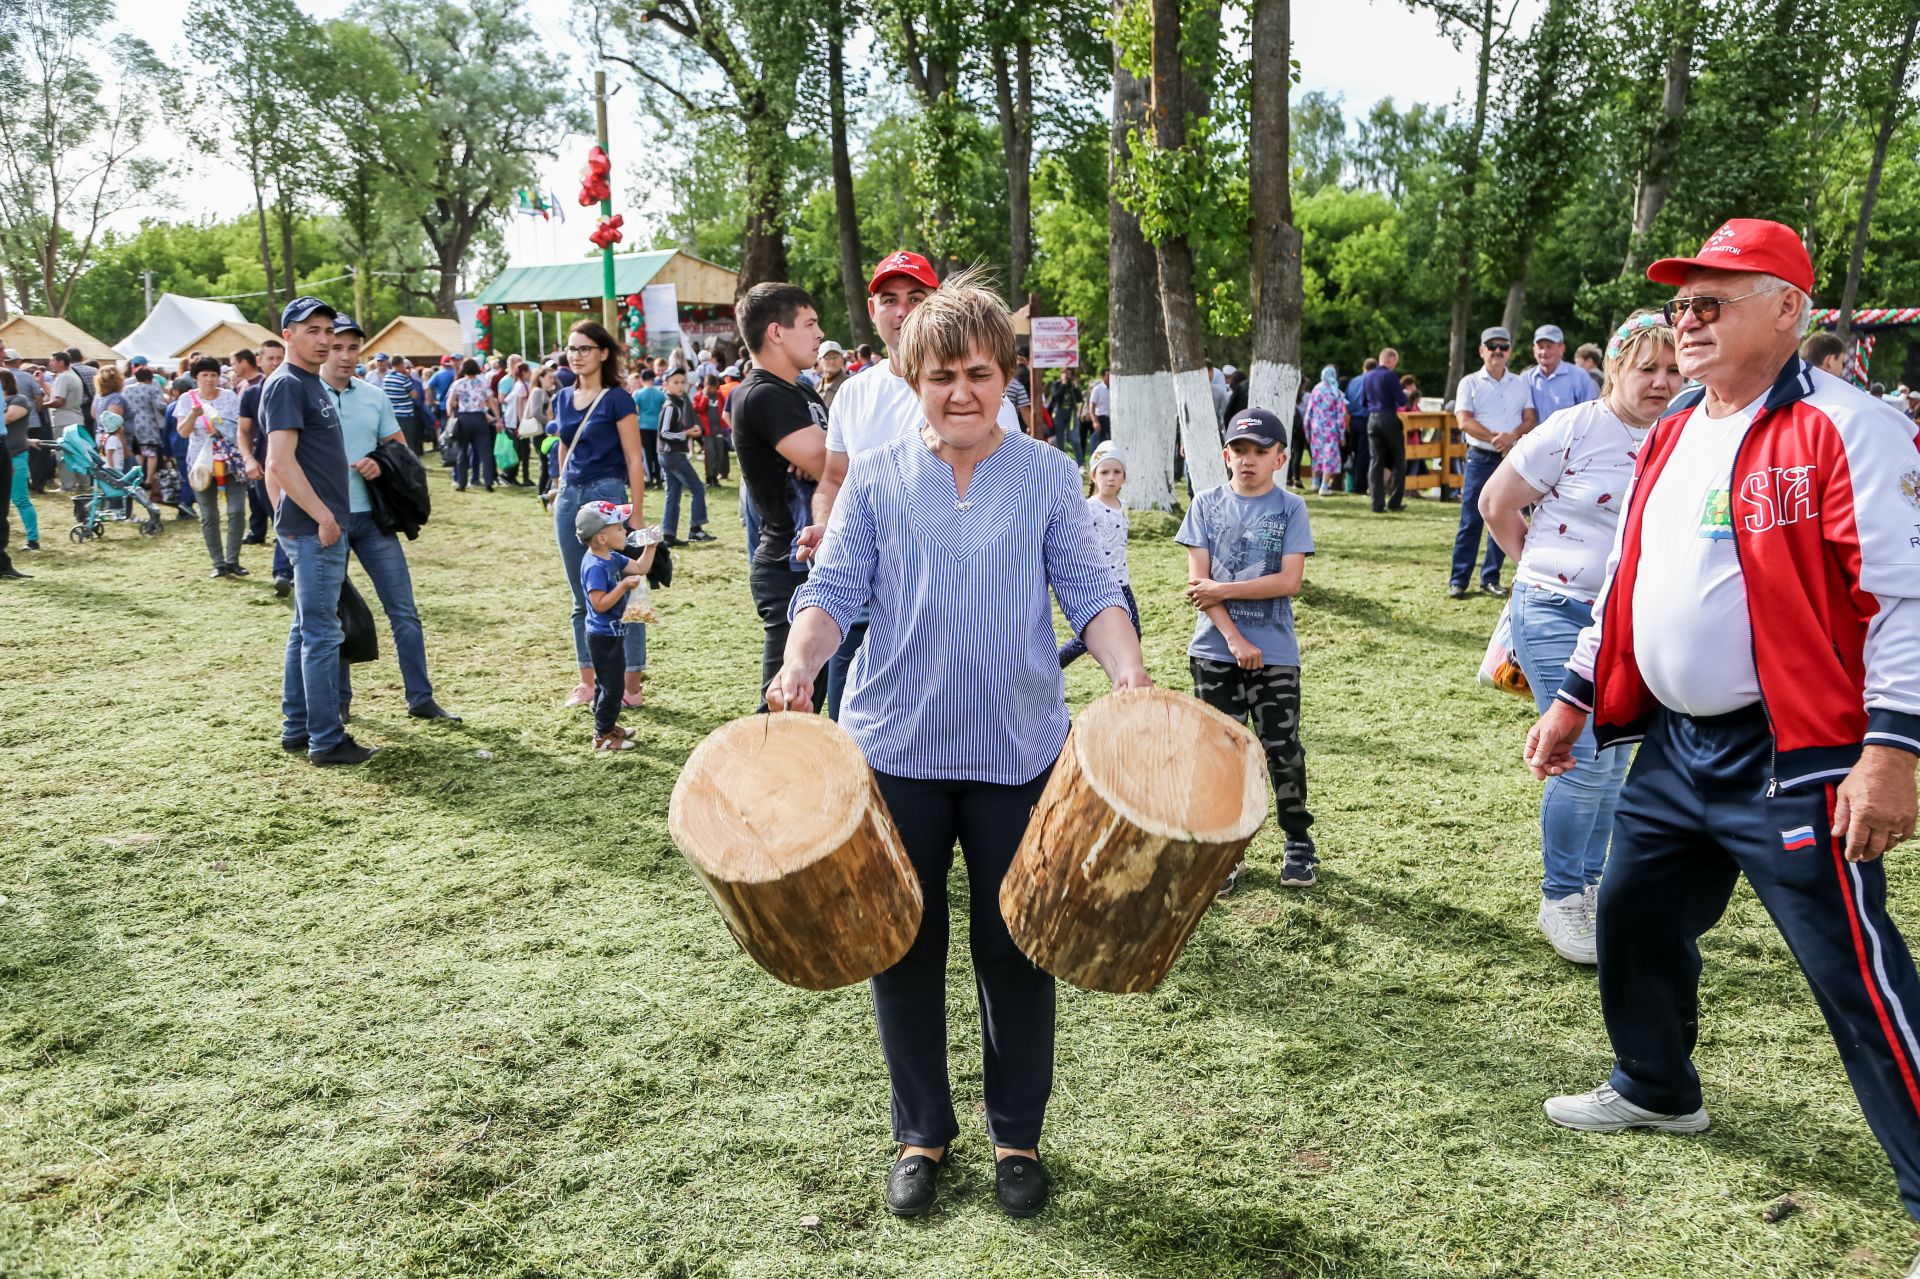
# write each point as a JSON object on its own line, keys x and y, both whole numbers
{"x": 1106, "y": 479}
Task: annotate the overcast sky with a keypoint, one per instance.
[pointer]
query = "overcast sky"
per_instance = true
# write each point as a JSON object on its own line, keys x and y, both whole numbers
{"x": 1403, "y": 56}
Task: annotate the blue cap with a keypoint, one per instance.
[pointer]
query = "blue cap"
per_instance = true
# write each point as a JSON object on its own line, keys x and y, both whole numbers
{"x": 1258, "y": 425}
{"x": 138, "y": 361}
{"x": 379, "y": 357}
{"x": 347, "y": 324}
{"x": 303, "y": 309}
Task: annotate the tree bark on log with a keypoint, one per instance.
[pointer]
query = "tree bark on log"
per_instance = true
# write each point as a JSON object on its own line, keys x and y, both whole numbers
{"x": 781, "y": 820}
{"x": 1154, "y": 799}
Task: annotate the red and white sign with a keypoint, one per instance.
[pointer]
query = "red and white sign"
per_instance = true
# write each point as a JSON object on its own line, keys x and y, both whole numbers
{"x": 1055, "y": 342}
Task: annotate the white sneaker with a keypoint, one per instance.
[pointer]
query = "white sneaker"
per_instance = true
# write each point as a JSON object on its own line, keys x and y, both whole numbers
{"x": 1915, "y": 1272}
{"x": 1604, "y": 1110}
{"x": 1569, "y": 928}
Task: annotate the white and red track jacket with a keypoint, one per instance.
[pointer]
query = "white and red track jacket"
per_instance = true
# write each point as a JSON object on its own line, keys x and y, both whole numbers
{"x": 1826, "y": 523}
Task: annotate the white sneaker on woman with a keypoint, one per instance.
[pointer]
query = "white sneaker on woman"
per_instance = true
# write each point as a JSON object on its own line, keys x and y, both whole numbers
{"x": 1569, "y": 928}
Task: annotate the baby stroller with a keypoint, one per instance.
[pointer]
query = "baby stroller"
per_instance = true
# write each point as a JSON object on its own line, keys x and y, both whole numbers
{"x": 106, "y": 499}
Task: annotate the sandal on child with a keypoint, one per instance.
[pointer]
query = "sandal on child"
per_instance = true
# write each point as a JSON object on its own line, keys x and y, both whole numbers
{"x": 611, "y": 742}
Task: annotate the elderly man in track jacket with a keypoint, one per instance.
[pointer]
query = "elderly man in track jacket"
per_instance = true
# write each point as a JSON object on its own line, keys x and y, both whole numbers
{"x": 1759, "y": 634}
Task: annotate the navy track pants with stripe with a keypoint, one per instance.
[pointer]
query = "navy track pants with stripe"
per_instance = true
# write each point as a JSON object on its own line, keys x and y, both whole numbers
{"x": 1695, "y": 815}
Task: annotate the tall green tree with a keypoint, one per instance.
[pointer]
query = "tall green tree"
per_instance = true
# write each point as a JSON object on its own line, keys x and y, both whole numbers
{"x": 71, "y": 144}
{"x": 486, "y": 100}
{"x": 1538, "y": 144}
{"x": 758, "y": 50}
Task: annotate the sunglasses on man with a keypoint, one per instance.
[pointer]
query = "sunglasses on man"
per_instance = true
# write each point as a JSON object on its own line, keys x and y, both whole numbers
{"x": 1705, "y": 309}
{"x": 1499, "y": 347}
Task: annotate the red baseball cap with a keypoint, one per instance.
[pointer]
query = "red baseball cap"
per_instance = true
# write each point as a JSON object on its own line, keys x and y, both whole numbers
{"x": 1744, "y": 244}
{"x": 911, "y": 265}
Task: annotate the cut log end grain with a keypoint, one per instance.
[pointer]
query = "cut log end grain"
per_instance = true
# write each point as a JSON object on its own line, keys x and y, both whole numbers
{"x": 780, "y": 818}
{"x": 1154, "y": 799}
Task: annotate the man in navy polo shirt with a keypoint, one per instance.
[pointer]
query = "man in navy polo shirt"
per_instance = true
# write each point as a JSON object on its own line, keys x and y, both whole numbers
{"x": 307, "y": 463}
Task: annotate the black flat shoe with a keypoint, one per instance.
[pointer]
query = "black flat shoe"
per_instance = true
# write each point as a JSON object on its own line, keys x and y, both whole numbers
{"x": 1021, "y": 1185}
{"x": 913, "y": 1185}
{"x": 432, "y": 710}
{"x": 294, "y": 745}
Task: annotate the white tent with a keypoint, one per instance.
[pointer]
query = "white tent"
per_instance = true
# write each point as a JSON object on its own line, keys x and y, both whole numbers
{"x": 174, "y": 322}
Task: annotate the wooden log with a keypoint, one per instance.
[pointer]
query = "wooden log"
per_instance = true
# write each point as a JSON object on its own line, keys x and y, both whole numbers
{"x": 1155, "y": 797}
{"x": 780, "y": 818}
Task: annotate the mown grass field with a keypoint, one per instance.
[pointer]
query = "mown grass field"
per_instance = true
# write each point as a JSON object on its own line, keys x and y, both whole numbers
{"x": 465, "y": 1012}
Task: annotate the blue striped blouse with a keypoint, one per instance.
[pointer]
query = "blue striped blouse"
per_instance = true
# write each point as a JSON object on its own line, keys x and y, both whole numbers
{"x": 958, "y": 679}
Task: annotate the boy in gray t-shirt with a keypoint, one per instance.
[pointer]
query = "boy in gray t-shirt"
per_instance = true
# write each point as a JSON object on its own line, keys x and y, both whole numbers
{"x": 1247, "y": 546}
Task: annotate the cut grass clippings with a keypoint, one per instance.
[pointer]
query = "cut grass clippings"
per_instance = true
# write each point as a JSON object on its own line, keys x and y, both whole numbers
{"x": 465, "y": 1011}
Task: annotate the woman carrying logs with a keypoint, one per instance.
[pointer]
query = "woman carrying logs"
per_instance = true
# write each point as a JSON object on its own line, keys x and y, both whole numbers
{"x": 949, "y": 537}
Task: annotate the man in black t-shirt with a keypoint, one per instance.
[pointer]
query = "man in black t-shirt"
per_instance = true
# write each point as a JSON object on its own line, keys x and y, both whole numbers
{"x": 780, "y": 433}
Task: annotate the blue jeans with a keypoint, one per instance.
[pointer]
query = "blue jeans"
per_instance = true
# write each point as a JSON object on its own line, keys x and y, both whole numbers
{"x": 475, "y": 464}
{"x": 310, "y": 683}
{"x": 1481, "y": 464}
{"x": 565, "y": 506}
{"x": 177, "y": 446}
{"x": 1576, "y": 813}
{"x": 385, "y": 562}
{"x": 680, "y": 477}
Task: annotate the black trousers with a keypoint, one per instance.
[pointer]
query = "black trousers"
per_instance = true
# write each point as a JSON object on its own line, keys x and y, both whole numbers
{"x": 609, "y": 654}
{"x": 1387, "y": 472}
{"x": 1696, "y": 814}
{"x": 1016, "y": 997}
{"x": 650, "y": 447}
{"x": 259, "y": 510}
{"x": 410, "y": 431}
{"x": 41, "y": 464}
{"x": 1359, "y": 463}
{"x": 773, "y": 586}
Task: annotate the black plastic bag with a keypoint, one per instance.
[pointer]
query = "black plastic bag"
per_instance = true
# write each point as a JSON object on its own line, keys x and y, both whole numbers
{"x": 359, "y": 642}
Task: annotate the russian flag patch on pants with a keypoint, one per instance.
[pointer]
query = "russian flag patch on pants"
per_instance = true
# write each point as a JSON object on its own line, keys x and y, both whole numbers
{"x": 1797, "y": 839}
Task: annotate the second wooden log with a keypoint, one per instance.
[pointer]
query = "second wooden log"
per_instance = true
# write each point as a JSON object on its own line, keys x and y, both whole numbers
{"x": 1154, "y": 799}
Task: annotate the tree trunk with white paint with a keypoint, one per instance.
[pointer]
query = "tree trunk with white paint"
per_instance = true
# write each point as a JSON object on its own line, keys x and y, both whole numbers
{"x": 1154, "y": 799}
{"x": 1170, "y": 105}
{"x": 1274, "y": 381}
{"x": 1144, "y": 417}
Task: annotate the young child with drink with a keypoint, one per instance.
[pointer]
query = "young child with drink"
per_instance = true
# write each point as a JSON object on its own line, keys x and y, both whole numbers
{"x": 609, "y": 579}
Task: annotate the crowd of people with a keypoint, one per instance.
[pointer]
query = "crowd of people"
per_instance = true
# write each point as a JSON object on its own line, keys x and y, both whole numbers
{"x": 1715, "y": 550}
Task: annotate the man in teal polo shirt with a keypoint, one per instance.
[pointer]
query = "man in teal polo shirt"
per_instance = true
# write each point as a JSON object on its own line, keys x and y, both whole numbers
{"x": 366, "y": 419}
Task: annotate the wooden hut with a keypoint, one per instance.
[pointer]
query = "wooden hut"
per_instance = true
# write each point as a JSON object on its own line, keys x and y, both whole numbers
{"x": 224, "y": 338}
{"x": 424, "y": 339}
{"x": 38, "y": 336}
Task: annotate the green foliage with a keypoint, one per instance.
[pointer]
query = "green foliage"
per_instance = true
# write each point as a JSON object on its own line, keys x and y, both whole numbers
{"x": 71, "y": 140}
{"x": 1070, "y": 240}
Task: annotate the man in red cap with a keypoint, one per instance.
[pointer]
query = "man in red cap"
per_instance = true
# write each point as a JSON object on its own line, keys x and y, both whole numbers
{"x": 870, "y": 409}
{"x": 1759, "y": 632}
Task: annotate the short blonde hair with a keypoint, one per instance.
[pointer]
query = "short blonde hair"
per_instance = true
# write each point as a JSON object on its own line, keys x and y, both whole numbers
{"x": 959, "y": 317}
{"x": 1631, "y": 338}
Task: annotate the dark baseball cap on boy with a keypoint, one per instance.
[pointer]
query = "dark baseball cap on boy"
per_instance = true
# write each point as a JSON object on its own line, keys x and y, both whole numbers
{"x": 1258, "y": 425}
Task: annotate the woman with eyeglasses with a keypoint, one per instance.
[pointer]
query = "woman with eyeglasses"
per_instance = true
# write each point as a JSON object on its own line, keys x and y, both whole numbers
{"x": 1573, "y": 470}
{"x": 598, "y": 459}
